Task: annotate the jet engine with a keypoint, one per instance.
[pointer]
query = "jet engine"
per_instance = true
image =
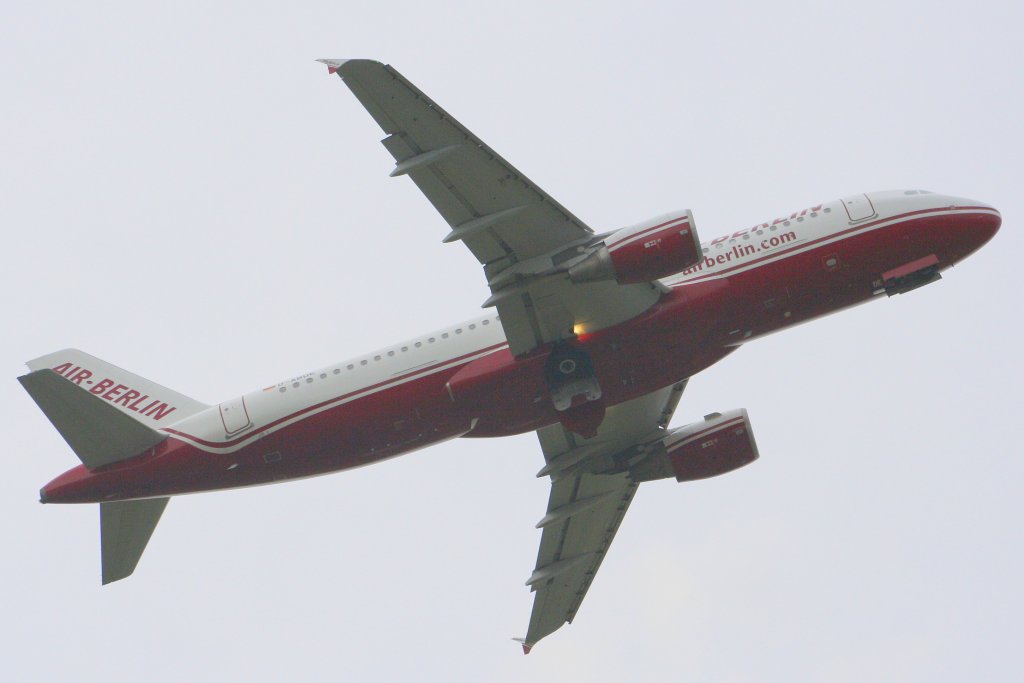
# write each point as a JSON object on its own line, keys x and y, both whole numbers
{"x": 648, "y": 251}
{"x": 721, "y": 443}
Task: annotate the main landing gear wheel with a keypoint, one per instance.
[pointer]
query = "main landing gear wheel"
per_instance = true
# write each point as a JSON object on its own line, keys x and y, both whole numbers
{"x": 575, "y": 391}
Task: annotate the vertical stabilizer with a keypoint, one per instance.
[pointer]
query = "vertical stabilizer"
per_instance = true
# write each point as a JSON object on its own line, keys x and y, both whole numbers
{"x": 107, "y": 415}
{"x": 134, "y": 396}
{"x": 125, "y": 528}
{"x": 97, "y": 432}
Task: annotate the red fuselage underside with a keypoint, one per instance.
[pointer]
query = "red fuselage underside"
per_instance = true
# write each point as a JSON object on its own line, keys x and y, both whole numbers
{"x": 688, "y": 330}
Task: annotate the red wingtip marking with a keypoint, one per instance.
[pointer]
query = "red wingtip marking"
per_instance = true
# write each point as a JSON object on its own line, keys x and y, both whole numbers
{"x": 332, "y": 69}
{"x": 527, "y": 648}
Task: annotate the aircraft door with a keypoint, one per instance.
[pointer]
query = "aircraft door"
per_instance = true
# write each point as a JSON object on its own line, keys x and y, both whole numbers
{"x": 859, "y": 208}
{"x": 235, "y": 416}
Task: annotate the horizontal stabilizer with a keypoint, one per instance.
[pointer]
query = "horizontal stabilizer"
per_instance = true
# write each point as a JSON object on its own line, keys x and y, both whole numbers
{"x": 125, "y": 528}
{"x": 97, "y": 432}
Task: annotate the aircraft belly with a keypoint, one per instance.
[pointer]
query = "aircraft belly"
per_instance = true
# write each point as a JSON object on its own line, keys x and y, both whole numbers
{"x": 379, "y": 426}
{"x": 680, "y": 336}
{"x": 692, "y": 327}
{"x": 811, "y": 284}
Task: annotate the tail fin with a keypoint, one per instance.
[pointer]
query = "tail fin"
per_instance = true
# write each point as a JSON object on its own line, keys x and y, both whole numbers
{"x": 106, "y": 414}
{"x": 136, "y": 397}
{"x": 95, "y": 430}
{"x": 125, "y": 528}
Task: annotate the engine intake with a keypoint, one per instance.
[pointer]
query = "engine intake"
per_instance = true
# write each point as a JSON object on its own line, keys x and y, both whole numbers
{"x": 648, "y": 251}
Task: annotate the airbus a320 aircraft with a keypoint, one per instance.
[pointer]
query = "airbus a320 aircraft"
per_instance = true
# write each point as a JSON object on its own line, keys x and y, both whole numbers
{"x": 588, "y": 339}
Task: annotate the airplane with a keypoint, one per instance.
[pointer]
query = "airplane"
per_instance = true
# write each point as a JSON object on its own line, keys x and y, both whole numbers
{"x": 588, "y": 339}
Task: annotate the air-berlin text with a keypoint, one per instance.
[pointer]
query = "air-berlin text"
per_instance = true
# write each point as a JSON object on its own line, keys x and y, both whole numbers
{"x": 118, "y": 394}
{"x": 738, "y": 252}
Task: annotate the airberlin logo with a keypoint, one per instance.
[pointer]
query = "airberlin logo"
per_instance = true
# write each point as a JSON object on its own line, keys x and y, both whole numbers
{"x": 118, "y": 394}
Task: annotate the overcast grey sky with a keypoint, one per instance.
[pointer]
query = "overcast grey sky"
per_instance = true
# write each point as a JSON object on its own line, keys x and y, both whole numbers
{"x": 188, "y": 195}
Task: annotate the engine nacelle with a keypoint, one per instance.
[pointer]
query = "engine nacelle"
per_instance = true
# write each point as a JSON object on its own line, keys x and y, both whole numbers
{"x": 721, "y": 443}
{"x": 648, "y": 251}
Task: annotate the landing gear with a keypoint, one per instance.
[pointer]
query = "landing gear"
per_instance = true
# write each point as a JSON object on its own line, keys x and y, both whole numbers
{"x": 575, "y": 391}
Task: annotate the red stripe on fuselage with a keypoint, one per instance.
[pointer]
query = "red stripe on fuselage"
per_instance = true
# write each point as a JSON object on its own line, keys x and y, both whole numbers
{"x": 867, "y": 227}
{"x": 441, "y": 365}
{"x": 687, "y": 331}
{"x": 901, "y": 218}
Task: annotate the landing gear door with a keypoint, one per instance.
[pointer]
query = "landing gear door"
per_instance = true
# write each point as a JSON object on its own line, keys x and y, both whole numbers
{"x": 859, "y": 208}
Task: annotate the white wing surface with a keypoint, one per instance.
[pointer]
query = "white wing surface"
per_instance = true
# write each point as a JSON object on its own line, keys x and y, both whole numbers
{"x": 521, "y": 236}
{"x": 589, "y": 497}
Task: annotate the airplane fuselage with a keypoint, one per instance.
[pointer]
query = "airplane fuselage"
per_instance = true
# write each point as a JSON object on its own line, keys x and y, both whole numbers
{"x": 463, "y": 381}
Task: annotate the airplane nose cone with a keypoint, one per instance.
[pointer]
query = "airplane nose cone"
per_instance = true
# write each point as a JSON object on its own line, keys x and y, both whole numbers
{"x": 982, "y": 225}
{"x": 974, "y": 224}
{"x": 988, "y": 226}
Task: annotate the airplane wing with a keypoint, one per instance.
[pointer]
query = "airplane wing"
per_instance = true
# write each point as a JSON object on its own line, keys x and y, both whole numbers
{"x": 521, "y": 236}
{"x": 589, "y": 497}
